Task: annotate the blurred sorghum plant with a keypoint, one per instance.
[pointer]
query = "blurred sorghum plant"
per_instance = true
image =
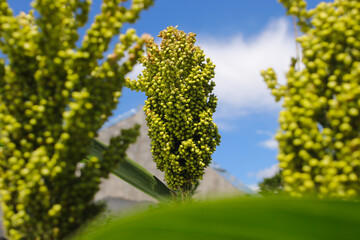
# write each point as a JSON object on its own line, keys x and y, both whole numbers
{"x": 54, "y": 96}
{"x": 319, "y": 135}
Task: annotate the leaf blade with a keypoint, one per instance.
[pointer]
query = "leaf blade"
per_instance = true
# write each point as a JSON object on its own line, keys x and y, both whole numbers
{"x": 136, "y": 175}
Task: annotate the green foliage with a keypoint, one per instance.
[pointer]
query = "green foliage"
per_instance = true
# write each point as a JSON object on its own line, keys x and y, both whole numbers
{"x": 179, "y": 107}
{"x": 54, "y": 96}
{"x": 319, "y": 134}
{"x": 272, "y": 186}
{"x": 241, "y": 218}
{"x": 132, "y": 173}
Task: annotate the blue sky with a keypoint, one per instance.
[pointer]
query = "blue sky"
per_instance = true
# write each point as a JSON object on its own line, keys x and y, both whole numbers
{"x": 241, "y": 37}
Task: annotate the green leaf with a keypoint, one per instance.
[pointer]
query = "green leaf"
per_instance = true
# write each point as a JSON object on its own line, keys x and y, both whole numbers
{"x": 136, "y": 175}
{"x": 240, "y": 218}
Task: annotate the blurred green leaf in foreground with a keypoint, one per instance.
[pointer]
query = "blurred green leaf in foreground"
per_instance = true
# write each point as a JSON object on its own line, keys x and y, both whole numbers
{"x": 239, "y": 218}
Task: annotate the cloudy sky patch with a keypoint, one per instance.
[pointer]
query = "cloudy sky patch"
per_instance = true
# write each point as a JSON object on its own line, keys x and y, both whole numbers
{"x": 239, "y": 85}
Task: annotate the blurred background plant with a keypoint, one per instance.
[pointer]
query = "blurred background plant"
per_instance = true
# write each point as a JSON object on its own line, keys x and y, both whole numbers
{"x": 272, "y": 186}
{"x": 54, "y": 97}
{"x": 319, "y": 135}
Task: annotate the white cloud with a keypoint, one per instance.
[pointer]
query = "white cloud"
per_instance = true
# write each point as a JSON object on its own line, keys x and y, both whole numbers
{"x": 253, "y": 187}
{"x": 137, "y": 69}
{"x": 239, "y": 85}
{"x": 271, "y": 143}
{"x": 268, "y": 172}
